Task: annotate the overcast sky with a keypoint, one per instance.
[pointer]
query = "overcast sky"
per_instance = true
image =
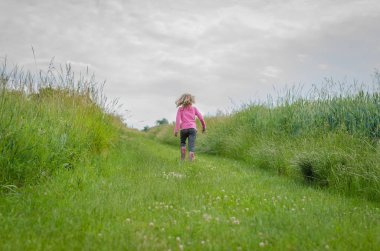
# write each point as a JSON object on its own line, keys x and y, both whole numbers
{"x": 225, "y": 52}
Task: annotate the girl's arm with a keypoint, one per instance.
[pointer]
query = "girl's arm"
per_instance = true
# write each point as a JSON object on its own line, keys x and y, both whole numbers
{"x": 177, "y": 122}
{"x": 199, "y": 115}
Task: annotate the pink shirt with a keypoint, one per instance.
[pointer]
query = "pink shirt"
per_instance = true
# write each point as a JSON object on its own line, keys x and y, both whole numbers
{"x": 186, "y": 118}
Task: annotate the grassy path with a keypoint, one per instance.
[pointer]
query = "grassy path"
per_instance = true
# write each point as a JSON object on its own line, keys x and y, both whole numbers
{"x": 142, "y": 198}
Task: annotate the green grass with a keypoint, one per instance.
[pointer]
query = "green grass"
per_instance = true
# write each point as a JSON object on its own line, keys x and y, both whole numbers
{"x": 49, "y": 125}
{"x": 142, "y": 198}
{"x": 71, "y": 179}
{"x": 330, "y": 140}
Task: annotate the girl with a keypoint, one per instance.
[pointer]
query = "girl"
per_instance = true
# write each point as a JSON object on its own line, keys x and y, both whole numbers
{"x": 185, "y": 122}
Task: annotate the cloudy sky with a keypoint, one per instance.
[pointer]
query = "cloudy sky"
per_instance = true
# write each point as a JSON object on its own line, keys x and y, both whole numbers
{"x": 225, "y": 52}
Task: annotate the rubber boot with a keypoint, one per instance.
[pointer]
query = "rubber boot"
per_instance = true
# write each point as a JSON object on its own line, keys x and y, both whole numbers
{"x": 191, "y": 156}
{"x": 183, "y": 152}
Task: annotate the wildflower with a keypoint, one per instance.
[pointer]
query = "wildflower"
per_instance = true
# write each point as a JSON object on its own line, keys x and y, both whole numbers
{"x": 151, "y": 224}
{"x": 173, "y": 175}
{"x": 235, "y": 221}
{"x": 262, "y": 244}
{"x": 207, "y": 217}
{"x": 128, "y": 220}
{"x": 178, "y": 238}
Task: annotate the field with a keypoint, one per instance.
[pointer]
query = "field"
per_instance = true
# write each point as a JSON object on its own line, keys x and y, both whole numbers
{"x": 73, "y": 177}
{"x": 330, "y": 138}
{"x": 142, "y": 198}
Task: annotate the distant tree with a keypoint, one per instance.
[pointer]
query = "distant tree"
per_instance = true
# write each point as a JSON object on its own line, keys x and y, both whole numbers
{"x": 146, "y": 128}
{"x": 163, "y": 121}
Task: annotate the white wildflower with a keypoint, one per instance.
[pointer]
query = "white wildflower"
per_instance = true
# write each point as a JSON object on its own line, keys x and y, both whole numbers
{"x": 234, "y": 221}
{"x": 207, "y": 217}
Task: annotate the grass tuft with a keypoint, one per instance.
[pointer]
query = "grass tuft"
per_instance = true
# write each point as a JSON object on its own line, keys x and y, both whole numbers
{"x": 50, "y": 121}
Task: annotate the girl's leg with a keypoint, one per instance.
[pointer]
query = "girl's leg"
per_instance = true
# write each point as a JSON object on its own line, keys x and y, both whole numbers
{"x": 191, "y": 156}
{"x": 192, "y": 137}
{"x": 183, "y": 135}
{"x": 183, "y": 152}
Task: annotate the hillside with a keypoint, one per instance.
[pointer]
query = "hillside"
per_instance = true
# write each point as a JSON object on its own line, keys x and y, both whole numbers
{"x": 329, "y": 140}
{"x": 74, "y": 178}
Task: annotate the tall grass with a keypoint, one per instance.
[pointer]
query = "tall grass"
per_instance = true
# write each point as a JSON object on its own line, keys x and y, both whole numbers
{"x": 329, "y": 138}
{"x": 49, "y": 121}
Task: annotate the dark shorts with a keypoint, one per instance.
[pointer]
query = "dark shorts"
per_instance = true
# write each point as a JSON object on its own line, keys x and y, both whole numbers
{"x": 191, "y": 134}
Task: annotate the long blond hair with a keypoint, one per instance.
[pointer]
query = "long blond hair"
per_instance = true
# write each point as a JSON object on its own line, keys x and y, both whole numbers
{"x": 185, "y": 100}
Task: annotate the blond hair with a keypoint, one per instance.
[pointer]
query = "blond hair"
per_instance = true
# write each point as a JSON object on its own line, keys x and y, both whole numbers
{"x": 185, "y": 100}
